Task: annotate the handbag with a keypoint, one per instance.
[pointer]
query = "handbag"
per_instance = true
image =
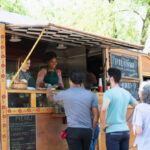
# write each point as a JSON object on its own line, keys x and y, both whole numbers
{"x": 63, "y": 134}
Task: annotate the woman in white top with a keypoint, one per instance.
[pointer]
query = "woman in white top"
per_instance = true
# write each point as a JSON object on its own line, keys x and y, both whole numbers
{"x": 141, "y": 118}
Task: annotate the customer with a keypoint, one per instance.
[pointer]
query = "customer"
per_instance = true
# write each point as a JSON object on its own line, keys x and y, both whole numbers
{"x": 113, "y": 112}
{"x": 78, "y": 104}
{"x": 89, "y": 82}
{"x": 141, "y": 118}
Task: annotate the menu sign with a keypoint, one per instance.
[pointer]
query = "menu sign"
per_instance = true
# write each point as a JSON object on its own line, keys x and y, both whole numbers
{"x": 127, "y": 64}
{"x": 22, "y": 132}
{"x": 132, "y": 87}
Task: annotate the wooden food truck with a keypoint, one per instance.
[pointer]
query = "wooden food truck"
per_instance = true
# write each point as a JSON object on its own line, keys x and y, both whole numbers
{"x": 38, "y": 127}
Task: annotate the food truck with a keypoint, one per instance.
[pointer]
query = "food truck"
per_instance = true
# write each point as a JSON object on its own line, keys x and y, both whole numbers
{"x": 38, "y": 127}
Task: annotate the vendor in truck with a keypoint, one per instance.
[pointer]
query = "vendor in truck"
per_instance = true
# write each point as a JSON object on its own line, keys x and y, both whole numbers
{"x": 50, "y": 75}
{"x": 22, "y": 99}
{"x": 24, "y": 74}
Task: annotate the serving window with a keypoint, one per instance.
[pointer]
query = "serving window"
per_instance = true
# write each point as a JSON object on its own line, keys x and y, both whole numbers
{"x": 29, "y": 100}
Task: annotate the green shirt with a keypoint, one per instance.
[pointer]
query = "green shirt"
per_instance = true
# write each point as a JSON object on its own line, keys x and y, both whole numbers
{"x": 116, "y": 113}
{"x": 51, "y": 77}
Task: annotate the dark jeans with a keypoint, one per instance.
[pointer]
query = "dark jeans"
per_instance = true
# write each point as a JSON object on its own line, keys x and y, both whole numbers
{"x": 117, "y": 140}
{"x": 79, "y": 138}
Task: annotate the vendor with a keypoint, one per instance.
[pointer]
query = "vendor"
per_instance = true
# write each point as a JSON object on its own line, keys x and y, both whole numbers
{"x": 23, "y": 73}
{"x": 50, "y": 75}
{"x": 22, "y": 99}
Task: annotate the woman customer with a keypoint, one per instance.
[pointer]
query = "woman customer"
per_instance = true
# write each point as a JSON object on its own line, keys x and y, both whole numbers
{"x": 141, "y": 118}
{"x": 50, "y": 75}
{"x": 78, "y": 104}
{"x": 89, "y": 82}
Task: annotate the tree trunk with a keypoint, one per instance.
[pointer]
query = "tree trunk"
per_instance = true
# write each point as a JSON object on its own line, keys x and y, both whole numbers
{"x": 115, "y": 35}
{"x": 146, "y": 22}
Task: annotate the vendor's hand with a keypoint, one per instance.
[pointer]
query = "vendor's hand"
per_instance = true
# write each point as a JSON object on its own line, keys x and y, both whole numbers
{"x": 105, "y": 126}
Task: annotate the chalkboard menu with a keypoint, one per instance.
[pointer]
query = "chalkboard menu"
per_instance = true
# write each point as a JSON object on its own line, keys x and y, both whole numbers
{"x": 132, "y": 87}
{"x": 127, "y": 64}
{"x": 22, "y": 132}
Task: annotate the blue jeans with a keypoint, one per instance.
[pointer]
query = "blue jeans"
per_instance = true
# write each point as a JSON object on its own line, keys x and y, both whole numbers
{"x": 95, "y": 138}
{"x": 117, "y": 140}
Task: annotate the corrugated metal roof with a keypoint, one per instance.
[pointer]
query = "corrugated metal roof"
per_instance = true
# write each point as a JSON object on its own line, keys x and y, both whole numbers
{"x": 68, "y": 36}
{"x": 31, "y": 28}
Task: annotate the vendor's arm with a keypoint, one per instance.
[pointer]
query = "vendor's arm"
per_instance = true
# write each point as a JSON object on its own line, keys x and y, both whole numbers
{"x": 40, "y": 78}
{"x": 60, "y": 81}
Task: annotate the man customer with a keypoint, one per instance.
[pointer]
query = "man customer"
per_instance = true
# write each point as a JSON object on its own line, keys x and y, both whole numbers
{"x": 113, "y": 112}
{"x": 78, "y": 104}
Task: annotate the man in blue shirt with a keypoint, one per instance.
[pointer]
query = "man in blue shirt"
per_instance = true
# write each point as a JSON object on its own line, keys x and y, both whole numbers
{"x": 78, "y": 104}
{"x": 113, "y": 112}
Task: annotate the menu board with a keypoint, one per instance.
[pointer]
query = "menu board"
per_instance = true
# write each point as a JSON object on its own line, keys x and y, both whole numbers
{"x": 127, "y": 64}
{"x": 132, "y": 87}
{"x": 22, "y": 132}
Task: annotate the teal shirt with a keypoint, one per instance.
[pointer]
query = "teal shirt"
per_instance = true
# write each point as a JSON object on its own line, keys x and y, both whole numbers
{"x": 116, "y": 112}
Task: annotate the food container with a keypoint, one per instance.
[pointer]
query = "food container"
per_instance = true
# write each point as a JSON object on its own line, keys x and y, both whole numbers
{"x": 48, "y": 85}
{"x": 20, "y": 84}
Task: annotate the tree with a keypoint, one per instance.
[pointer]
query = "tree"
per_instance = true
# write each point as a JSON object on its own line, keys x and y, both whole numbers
{"x": 135, "y": 7}
{"x": 146, "y": 22}
{"x": 15, "y": 6}
{"x": 127, "y": 20}
{"x": 114, "y": 18}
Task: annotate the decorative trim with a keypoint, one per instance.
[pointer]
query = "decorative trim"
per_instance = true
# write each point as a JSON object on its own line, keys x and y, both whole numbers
{"x": 38, "y": 110}
{"x": 3, "y": 96}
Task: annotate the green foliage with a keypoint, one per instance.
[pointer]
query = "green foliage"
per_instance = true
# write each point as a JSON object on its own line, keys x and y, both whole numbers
{"x": 10, "y": 76}
{"x": 13, "y": 6}
{"x": 122, "y": 19}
